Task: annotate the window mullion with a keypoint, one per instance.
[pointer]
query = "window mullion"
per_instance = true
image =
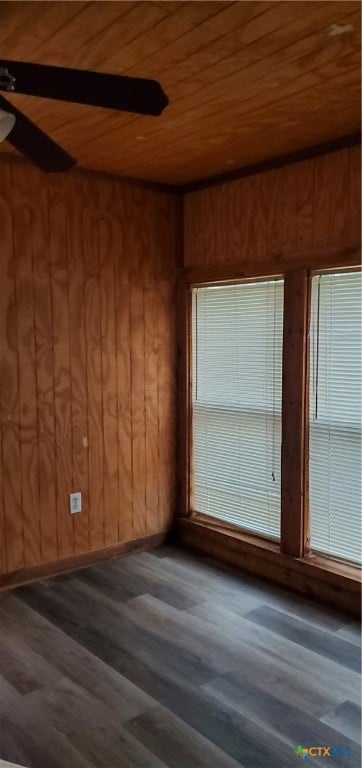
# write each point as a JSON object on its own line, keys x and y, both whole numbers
{"x": 294, "y": 528}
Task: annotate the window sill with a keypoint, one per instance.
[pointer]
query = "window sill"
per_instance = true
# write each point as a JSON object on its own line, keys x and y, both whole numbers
{"x": 266, "y": 542}
{"x": 332, "y": 582}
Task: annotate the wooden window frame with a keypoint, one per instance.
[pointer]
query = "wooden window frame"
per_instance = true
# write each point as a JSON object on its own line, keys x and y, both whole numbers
{"x": 295, "y": 521}
{"x": 295, "y": 526}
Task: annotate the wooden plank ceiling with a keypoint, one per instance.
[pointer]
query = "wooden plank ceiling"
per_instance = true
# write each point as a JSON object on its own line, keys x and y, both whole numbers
{"x": 246, "y": 81}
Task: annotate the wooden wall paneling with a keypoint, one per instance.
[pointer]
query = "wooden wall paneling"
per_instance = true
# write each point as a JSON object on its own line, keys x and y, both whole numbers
{"x": 12, "y": 541}
{"x": 167, "y": 399}
{"x": 23, "y": 221}
{"x": 294, "y": 405}
{"x": 87, "y": 337}
{"x": 2, "y": 508}
{"x": 152, "y": 403}
{"x": 170, "y": 227}
{"x": 194, "y": 228}
{"x": 304, "y": 187}
{"x": 354, "y": 195}
{"x": 160, "y": 380}
{"x": 218, "y": 202}
{"x": 109, "y": 249}
{"x": 339, "y": 209}
{"x": 303, "y": 220}
{"x": 274, "y": 215}
{"x": 152, "y": 353}
{"x": 228, "y": 206}
{"x": 92, "y": 309}
{"x": 123, "y": 367}
{"x": 184, "y": 409}
{"x": 59, "y": 270}
{"x": 321, "y": 201}
{"x": 138, "y": 403}
{"x": 209, "y": 245}
{"x": 138, "y": 249}
{"x": 237, "y": 206}
{"x": 256, "y": 244}
{"x": 289, "y": 211}
{"x": 197, "y": 229}
{"x": 74, "y": 202}
{"x": 44, "y": 360}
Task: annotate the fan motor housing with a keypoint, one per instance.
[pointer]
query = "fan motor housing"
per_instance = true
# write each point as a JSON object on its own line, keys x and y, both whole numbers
{"x": 7, "y": 81}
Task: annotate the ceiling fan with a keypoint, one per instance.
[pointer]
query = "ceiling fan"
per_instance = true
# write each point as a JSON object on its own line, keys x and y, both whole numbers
{"x": 97, "y": 89}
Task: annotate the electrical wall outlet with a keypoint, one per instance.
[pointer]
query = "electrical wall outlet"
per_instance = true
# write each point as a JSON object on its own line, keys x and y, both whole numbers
{"x": 75, "y": 503}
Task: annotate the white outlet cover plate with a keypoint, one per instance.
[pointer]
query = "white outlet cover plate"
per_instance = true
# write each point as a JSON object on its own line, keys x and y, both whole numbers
{"x": 75, "y": 503}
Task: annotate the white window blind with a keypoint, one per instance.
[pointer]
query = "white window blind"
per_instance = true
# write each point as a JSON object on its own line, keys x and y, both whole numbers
{"x": 237, "y": 378}
{"x": 335, "y": 415}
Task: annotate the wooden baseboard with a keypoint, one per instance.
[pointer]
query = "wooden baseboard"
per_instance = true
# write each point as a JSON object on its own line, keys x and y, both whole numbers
{"x": 36, "y": 572}
{"x": 326, "y": 581}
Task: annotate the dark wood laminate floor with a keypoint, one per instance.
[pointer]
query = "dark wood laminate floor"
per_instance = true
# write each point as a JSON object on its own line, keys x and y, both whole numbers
{"x": 167, "y": 659}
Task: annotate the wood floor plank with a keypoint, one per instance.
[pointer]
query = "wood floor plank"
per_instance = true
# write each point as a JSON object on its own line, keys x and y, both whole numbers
{"x": 168, "y": 660}
{"x": 141, "y": 577}
{"x": 122, "y": 583}
{"x": 286, "y": 721}
{"x": 104, "y": 579}
{"x": 323, "y": 643}
{"x": 227, "y": 586}
{"x": 279, "y": 651}
{"x": 176, "y": 743}
{"x": 351, "y": 632}
{"x": 73, "y": 660}
{"x": 11, "y": 747}
{"x": 140, "y": 639}
{"x": 24, "y": 668}
{"x": 28, "y": 737}
{"x": 10, "y": 697}
{"x": 190, "y": 631}
{"x": 347, "y": 719}
{"x": 93, "y": 729}
{"x": 147, "y": 611}
{"x": 236, "y": 736}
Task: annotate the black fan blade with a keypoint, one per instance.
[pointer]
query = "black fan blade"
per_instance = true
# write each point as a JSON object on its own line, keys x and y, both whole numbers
{"x": 128, "y": 94}
{"x": 32, "y": 142}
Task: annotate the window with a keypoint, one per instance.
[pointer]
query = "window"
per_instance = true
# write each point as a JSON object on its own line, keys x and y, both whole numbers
{"x": 335, "y": 415}
{"x": 236, "y": 430}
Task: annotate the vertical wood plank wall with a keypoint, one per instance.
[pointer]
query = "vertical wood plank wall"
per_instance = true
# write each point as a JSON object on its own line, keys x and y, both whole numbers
{"x": 297, "y": 215}
{"x": 88, "y": 363}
